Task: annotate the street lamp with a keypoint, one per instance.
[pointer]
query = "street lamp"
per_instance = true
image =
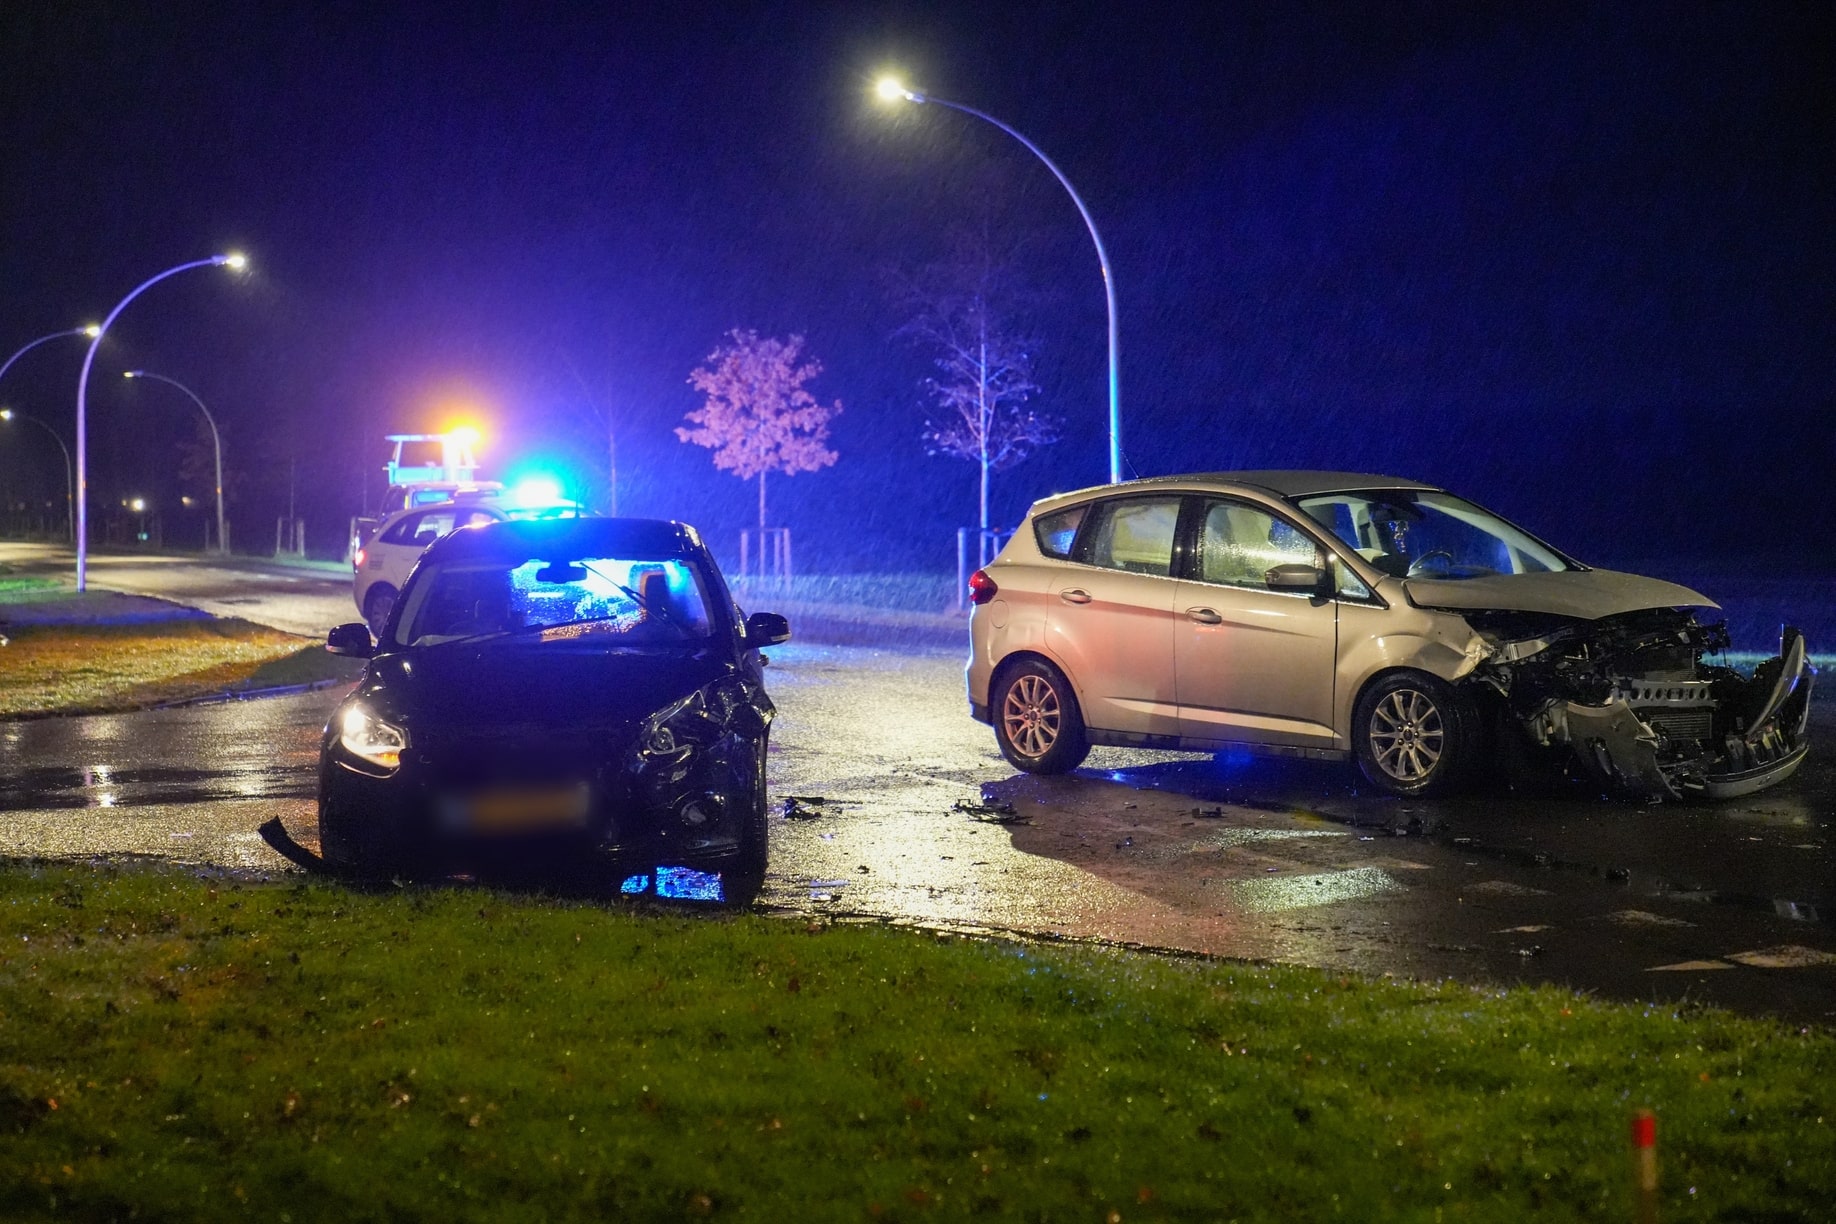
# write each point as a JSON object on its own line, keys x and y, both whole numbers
{"x": 92, "y": 331}
{"x": 216, "y": 442}
{"x": 235, "y": 262}
{"x": 7, "y": 414}
{"x": 891, "y": 90}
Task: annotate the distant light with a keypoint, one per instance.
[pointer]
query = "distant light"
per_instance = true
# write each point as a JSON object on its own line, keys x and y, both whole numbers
{"x": 6, "y": 414}
{"x": 536, "y": 491}
{"x": 137, "y": 505}
{"x": 134, "y": 374}
{"x": 236, "y": 261}
{"x": 93, "y": 330}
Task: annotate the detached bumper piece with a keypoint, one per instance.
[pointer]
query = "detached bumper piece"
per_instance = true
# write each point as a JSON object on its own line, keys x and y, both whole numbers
{"x": 1690, "y": 739}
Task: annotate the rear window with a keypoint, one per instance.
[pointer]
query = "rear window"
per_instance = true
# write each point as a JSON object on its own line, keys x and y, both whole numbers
{"x": 1058, "y": 530}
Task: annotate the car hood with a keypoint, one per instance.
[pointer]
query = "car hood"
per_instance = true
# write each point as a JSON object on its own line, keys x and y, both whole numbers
{"x": 1585, "y": 594}
{"x": 465, "y": 687}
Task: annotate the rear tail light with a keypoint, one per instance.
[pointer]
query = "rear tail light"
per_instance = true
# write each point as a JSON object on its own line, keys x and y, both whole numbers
{"x": 982, "y": 588}
{"x": 357, "y": 561}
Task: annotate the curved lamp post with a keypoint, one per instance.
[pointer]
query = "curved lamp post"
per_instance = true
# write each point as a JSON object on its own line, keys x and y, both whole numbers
{"x": 7, "y": 414}
{"x": 216, "y": 442}
{"x": 891, "y": 90}
{"x": 92, "y": 331}
{"x": 234, "y": 262}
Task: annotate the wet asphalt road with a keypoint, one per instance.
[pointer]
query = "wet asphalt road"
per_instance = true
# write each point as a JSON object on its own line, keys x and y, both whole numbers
{"x": 901, "y": 819}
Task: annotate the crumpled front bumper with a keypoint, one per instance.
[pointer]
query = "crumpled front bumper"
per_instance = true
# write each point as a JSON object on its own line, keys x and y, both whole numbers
{"x": 1628, "y": 754}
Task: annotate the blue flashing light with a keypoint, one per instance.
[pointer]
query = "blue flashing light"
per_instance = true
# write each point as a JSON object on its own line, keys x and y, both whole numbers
{"x": 536, "y": 490}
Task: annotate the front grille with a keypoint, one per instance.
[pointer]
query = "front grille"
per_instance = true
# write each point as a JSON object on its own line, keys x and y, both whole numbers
{"x": 1680, "y": 725}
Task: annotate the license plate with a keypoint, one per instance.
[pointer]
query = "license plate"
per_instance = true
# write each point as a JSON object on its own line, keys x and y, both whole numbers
{"x": 520, "y": 809}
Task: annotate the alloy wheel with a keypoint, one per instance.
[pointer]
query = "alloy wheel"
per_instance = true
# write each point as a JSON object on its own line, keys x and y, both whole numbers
{"x": 1031, "y": 715}
{"x": 1407, "y": 735}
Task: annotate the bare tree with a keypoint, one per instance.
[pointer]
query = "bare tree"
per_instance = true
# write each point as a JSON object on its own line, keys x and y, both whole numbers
{"x": 758, "y": 418}
{"x": 985, "y": 371}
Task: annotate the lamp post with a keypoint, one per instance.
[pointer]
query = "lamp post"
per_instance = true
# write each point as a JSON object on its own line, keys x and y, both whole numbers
{"x": 7, "y": 414}
{"x": 92, "y": 331}
{"x": 216, "y": 442}
{"x": 891, "y": 90}
{"x": 234, "y": 262}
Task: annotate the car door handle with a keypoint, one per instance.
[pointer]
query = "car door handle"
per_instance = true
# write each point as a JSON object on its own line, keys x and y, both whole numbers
{"x": 1204, "y": 616}
{"x": 1075, "y": 596}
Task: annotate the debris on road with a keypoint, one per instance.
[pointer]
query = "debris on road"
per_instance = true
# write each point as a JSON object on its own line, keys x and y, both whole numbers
{"x": 989, "y": 813}
{"x": 1210, "y": 813}
{"x": 803, "y": 807}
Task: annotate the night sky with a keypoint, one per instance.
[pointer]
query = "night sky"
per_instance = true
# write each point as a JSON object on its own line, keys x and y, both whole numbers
{"x": 1576, "y": 262}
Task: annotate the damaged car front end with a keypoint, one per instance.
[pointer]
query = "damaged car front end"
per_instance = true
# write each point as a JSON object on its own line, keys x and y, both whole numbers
{"x": 1637, "y": 701}
{"x": 566, "y": 695}
{"x": 1623, "y": 672}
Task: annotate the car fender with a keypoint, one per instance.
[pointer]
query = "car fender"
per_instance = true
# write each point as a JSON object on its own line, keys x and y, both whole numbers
{"x": 1441, "y": 644}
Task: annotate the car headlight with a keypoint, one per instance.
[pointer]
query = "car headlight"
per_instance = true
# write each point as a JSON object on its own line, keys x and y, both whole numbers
{"x": 369, "y": 738}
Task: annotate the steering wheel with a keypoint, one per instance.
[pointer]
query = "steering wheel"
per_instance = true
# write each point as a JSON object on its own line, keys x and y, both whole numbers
{"x": 1419, "y": 568}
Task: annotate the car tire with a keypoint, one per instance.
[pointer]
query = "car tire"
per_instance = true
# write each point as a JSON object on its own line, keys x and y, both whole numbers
{"x": 376, "y": 607}
{"x": 1037, "y": 721}
{"x": 1413, "y": 734}
{"x": 744, "y": 876}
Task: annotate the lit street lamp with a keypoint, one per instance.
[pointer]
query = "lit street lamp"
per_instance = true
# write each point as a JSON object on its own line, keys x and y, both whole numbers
{"x": 234, "y": 262}
{"x": 7, "y": 414}
{"x": 891, "y": 90}
{"x": 216, "y": 442}
{"x": 92, "y": 331}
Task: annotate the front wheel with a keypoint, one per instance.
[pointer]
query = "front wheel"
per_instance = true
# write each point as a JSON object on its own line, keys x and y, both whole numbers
{"x": 1413, "y": 734}
{"x": 1036, "y": 719}
{"x": 744, "y": 876}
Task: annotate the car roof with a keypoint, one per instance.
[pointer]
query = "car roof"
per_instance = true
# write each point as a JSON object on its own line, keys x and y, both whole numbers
{"x": 557, "y": 539}
{"x": 1282, "y": 484}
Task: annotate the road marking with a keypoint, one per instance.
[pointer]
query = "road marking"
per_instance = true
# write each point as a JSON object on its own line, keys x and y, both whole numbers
{"x": 1787, "y": 956}
{"x": 1644, "y": 918}
{"x": 1531, "y": 929}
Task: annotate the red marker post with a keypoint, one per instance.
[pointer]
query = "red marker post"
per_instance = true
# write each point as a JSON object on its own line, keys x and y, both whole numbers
{"x": 1644, "y": 1167}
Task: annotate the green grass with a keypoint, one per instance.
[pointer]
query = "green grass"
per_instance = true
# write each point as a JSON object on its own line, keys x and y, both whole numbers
{"x": 87, "y": 668}
{"x": 183, "y": 1048}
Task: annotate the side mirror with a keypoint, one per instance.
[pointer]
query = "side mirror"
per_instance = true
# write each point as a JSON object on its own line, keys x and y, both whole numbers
{"x": 766, "y": 629}
{"x": 353, "y": 640}
{"x": 1294, "y": 577}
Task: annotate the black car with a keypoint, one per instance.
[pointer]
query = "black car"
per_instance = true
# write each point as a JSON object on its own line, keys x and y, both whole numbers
{"x": 556, "y": 693}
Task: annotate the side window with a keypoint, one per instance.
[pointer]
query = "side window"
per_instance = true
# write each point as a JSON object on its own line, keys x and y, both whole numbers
{"x": 431, "y": 526}
{"x": 1056, "y": 532}
{"x": 478, "y": 516}
{"x": 1136, "y": 535}
{"x": 402, "y": 532}
{"x": 1240, "y": 544}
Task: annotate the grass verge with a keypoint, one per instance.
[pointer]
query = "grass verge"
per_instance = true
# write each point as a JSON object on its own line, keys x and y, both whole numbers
{"x": 86, "y": 668}
{"x": 183, "y": 1048}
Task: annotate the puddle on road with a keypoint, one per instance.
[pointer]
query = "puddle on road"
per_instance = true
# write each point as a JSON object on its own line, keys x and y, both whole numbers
{"x": 1299, "y": 892}
{"x": 42, "y": 788}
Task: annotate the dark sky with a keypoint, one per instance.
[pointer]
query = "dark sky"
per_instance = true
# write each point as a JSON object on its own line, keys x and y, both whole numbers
{"x": 1574, "y": 261}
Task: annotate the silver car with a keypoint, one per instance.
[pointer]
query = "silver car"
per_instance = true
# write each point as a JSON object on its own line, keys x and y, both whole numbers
{"x": 1331, "y": 616}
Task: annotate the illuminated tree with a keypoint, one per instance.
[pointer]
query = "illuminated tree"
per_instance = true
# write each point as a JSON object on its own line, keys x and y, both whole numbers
{"x": 758, "y": 418}
{"x": 985, "y": 372}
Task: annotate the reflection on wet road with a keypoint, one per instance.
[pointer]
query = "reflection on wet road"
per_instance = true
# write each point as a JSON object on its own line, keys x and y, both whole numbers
{"x": 905, "y": 812}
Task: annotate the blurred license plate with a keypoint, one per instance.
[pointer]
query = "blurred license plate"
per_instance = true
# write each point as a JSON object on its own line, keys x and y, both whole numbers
{"x": 520, "y": 810}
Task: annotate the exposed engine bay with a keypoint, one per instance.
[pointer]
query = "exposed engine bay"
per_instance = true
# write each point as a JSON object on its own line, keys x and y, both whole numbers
{"x": 1633, "y": 698}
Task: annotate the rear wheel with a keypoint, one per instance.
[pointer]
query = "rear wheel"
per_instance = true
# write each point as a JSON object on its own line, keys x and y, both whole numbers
{"x": 1037, "y": 722}
{"x": 377, "y": 605}
{"x": 1413, "y": 734}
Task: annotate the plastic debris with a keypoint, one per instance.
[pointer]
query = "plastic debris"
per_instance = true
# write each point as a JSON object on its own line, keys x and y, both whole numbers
{"x": 989, "y": 813}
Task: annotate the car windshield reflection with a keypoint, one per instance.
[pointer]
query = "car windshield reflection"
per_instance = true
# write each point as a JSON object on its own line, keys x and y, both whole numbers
{"x": 1411, "y": 533}
{"x": 615, "y": 600}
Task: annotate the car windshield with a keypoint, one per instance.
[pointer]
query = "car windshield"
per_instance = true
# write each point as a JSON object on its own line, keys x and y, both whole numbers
{"x": 1416, "y": 533}
{"x": 615, "y": 600}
